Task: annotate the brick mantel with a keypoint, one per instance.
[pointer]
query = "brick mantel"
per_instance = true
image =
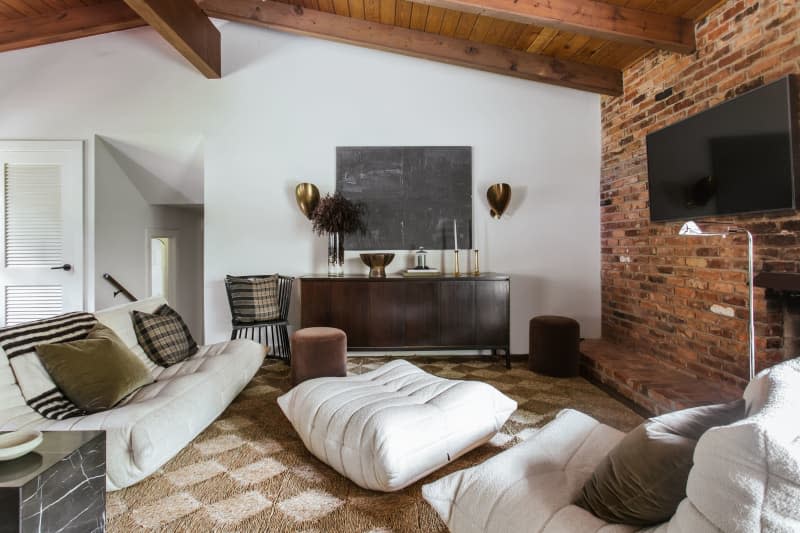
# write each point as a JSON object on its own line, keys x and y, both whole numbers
{"x": 672, "y": 296}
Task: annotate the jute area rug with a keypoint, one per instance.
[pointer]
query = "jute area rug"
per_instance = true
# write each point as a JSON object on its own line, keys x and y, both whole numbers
{"x": 249, "y": 471}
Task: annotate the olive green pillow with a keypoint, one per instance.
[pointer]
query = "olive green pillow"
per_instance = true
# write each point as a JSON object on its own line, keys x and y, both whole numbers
{"x": 643, "y": 479}
{"x": 97, "y": 372}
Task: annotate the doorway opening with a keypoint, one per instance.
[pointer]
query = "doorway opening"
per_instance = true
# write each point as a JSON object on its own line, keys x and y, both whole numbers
{"x": 162, "y": 264}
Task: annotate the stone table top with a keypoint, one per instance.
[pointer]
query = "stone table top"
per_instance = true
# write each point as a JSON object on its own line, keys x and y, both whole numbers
{"x": 55, "y": 446}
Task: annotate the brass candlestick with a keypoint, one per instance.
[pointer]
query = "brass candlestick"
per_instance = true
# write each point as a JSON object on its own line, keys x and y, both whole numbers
{"x": 477, "y": 270}
{"x": 457, "y": 271}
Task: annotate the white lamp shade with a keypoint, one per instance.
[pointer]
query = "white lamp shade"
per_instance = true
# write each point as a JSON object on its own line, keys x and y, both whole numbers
{"x": 691, "y": 228}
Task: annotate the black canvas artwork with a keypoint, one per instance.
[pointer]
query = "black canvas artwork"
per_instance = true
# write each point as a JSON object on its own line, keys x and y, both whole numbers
{"x": 412, "y": 195}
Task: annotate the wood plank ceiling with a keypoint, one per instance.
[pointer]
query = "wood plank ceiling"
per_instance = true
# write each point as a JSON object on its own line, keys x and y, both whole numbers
{"x": 575, "y": 31}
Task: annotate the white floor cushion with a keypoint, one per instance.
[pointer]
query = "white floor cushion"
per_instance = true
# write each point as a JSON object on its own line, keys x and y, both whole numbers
{"x": 531, "y": 486}
{"x": 388, "y": 428}
{"x": 746, "y": 476}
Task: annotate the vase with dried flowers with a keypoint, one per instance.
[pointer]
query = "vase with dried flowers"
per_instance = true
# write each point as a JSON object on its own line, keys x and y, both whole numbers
{"x": 337, "y": 216}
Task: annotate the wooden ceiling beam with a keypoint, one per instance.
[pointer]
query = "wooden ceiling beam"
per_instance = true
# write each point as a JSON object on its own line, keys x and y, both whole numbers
{"x": 184, "y": 25}
{"x": 589, "y": 17}
{"x": 296, "y": 19}
{"x": 66, "y": 24}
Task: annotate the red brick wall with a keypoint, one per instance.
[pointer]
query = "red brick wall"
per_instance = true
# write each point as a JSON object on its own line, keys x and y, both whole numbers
{"x": 658, "y": 288}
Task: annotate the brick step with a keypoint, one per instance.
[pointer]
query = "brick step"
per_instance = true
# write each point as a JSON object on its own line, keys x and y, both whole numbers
{"x": 651, "y": 384}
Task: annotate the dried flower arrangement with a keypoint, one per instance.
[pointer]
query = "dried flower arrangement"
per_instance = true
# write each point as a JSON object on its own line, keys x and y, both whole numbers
{"x": 338, "y": 214}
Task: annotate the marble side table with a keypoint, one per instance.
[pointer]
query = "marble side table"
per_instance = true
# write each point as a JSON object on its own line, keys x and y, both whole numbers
{"x": 60, "y": 486}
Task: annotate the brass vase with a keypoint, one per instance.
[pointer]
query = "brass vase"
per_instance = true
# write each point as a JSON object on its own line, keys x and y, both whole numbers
{"x": 499, "y": 196}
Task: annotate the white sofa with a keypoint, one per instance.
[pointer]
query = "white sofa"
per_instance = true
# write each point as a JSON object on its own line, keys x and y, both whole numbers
{"x": 156, "y": 422}
{"x": 745, "y": 478}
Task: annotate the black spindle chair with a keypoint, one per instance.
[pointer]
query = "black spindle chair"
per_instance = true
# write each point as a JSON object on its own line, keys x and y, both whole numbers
{"x": 274, "y": 333}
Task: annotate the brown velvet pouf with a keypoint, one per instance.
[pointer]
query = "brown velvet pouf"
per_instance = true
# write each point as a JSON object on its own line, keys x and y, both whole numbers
{"x": 554, "y": 346}
{"x": 318, "y": 353}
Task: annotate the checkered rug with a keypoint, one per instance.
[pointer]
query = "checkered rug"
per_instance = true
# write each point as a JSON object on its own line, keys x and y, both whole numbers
{"x": 249, "y": 471}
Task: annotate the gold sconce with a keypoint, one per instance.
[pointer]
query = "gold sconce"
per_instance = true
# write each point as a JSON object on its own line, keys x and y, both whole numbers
{"x": 499, "y": 196}
{"x": 307, "y": 196}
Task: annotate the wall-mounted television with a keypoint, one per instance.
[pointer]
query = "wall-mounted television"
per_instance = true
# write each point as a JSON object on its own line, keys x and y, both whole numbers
{"x": 738, "y": 157}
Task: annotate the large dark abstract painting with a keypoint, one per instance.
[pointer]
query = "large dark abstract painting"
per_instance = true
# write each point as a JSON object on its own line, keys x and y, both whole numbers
{"x": 412, "y": 195}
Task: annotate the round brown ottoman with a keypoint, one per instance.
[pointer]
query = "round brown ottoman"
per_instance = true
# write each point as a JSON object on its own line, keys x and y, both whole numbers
{"x": 554, "y": 346}
{"x": 318, "y": 353}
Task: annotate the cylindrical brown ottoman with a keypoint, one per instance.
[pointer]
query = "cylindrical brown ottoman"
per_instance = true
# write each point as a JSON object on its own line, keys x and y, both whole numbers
{"x": 318, "y": 353}
{"x": 554, "y": 346}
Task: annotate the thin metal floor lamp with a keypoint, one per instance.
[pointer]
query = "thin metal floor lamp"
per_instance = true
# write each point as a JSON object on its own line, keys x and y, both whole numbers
{"x": 693, "y": 230}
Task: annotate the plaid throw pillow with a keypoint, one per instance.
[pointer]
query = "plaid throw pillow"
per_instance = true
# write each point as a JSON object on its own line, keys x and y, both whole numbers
{"x": 254, "y": 300}
{"x": 164, "y": 336}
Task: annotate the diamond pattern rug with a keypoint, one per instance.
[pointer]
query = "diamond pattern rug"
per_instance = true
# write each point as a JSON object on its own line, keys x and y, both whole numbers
{"x": 248, "y": 471}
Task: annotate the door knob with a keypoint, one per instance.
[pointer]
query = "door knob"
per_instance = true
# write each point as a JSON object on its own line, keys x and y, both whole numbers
{"x": 65, "y": 266}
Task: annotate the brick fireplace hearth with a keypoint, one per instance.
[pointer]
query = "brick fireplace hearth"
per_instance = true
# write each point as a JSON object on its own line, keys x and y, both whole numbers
{"x": 783, "y": 304}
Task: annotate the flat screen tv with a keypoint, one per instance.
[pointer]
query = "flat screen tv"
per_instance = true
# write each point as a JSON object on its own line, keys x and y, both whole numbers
{"x": 738, "y": 157}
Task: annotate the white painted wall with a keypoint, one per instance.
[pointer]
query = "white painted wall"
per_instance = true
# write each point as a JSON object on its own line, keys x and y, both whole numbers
{"x": 167, "y": 170}
{"x": 286, "y": 102}
{"x": 122, "y": 220}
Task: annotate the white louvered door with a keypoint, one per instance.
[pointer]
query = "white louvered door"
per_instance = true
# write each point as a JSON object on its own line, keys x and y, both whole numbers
{"x": 41, "y": 217}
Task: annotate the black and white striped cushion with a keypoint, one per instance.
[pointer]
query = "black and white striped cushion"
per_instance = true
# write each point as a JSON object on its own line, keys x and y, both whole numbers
{"x": 254, "y": 300}
{"x": 19, "y": 343}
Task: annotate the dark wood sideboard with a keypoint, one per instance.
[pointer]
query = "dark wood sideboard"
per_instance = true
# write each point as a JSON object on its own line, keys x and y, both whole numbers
{"x": 402, "y": 313}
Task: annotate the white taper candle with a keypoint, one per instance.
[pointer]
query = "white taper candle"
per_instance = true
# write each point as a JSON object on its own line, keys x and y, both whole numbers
{"x": 455, "y": 235}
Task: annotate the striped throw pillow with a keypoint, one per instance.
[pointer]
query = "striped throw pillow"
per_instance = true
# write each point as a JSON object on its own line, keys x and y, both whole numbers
{"x": 254, "y": 300}
{"x": 164, "y": 336}
{"x": 19, "y": 343}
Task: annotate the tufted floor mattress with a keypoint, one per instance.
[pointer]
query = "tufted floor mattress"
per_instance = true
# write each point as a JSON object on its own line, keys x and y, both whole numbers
{"x": 387, "y": 428}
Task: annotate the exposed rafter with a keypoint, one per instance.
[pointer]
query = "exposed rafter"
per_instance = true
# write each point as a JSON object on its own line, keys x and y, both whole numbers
{"x": 588, "y": 17}
{"x": 296, "y": 19}
{"x": 70, "y": 23}
{"x": 187, "y": 28}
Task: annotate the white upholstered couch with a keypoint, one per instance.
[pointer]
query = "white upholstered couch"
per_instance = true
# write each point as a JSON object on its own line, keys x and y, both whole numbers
{"x": 745, "y": 478}
{"x": 156, "y": 422}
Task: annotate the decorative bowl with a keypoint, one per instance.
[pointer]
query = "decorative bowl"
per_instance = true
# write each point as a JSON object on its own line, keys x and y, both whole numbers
{"x": 499, "y": 196}
{"x": 377, "y": 263}
{"x": 18, "y": 443}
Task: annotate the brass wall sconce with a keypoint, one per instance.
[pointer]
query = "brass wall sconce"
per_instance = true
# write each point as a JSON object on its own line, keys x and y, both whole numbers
{"x": 307, "y": 196}
{"x": 499, "y": 196}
